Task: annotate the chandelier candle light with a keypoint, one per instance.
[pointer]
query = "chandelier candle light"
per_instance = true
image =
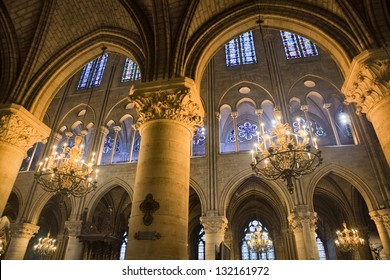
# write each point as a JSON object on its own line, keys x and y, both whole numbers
{"x": 45, "y": 246}
{"x": 348, "y": 240}
{"x": 67, "y": 173}
{"x": 259, "y": 241}
{"x": 281, "y": 153}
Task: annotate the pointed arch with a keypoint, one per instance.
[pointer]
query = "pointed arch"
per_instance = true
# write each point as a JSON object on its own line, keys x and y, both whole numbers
{"x": 343, "y": 172}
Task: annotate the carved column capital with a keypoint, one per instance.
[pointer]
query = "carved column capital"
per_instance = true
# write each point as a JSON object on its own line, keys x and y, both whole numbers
{"x": 218, "y": 116}
{"x": 297, "y": 219}
{"x": 234, "y": 115}
{"x": 381, "y": 216}
{"x": 214, "y": 224}
{"x": 19, "y": 128}
{"x": 259, "y": 112}
{"x": 24, "y": 230}
{"x": 175, "y": 100}
{"x": 305, "y": 108}
{"x": 368, "y": 80}
{"x": 326, "y": 106}
{"x": 74, "y": 227}
{"x": 104, "y": 130}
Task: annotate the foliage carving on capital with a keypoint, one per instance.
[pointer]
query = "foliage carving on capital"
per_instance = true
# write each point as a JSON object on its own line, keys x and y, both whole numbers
{"x": 74, "y": 227}
{"x": 368, "y": 84}
{"x": 14, "y": 130}
{"x": 24, "y": 230}
{"x": 174, "y": 104}
{"x": 216, "y": 224}
{"x": 296, "y": 220}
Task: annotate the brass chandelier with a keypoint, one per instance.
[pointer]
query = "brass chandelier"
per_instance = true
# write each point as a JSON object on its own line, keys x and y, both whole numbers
{"x": 45, "y": 247}
{"x": 281, "y": 153}
{"x": 259, "y": 241}
{"x": 67, "y": 173}
{"x": 348, "y": 240}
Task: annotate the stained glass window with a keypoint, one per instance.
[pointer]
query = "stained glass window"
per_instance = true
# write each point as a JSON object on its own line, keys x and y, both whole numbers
{"x": 122, "y": 252}
{"x": 131, "y": 71}
{"x": 240, "y": 50}
{"x": 109, "y": 143}
{"x": 199, "y": 136}
{"x": 92, "y": 73}
{"x": 321, "y": 248}
{"x": 296, "y": 46}
{"x": 308, "y": 47}
{"x": 246, "y": 253}
{"x": 316, "y": 128}
{"x": 201, "y": 244}
{"x": 246, "y": 132}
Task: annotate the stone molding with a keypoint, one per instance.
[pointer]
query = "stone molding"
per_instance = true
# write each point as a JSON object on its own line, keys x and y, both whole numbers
{"x": 381, "y": 216}
{"x": 20, "y": 128}
{"x": 174, "y": 103}
{"x": 74, "y": 227}
{"x": 297, "y": 219}
{"x": 24, "y": 230}
{"x": 368, "y": 81}
{"x": 215, "y": 224}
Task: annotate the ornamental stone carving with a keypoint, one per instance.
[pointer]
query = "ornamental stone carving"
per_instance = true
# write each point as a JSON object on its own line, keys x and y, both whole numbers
{"x": 174, "y": 104}
{"x": 297, "y": 219}
{"x": 24, "y": 230}
{"x": 20, "y": 128}
{"x": 216, "y": 224}
{"x": 368, "y": 83}
{"x": 73, "y": 227}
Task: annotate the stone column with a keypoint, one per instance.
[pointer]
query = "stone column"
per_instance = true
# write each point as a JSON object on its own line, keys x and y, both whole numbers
{"x": 19, "y": 130}
{"x": 382, "y": 222}
{"x": 327, "y": 106}
{"x": 20, "y": 237}
{"x": 117, "y": 128}
{"x": 303, "y": 224}
{"x": 218, "y": 116}
{"x": 168, "y": 113}
{"x": 74, "y": 248}
{"x": 234, "y": 116}
{"x": 101, "y": 138}
{"x": 214, "y": 228}
{"x": 367, "y": 85}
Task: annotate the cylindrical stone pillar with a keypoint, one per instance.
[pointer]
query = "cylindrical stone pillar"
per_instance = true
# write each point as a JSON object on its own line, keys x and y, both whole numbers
{"x": 168, "y": 113}
{"x": 20, "y": 237}
{"x": 382, "y": 231}
{"x": 379, "y": 115}
{"x": 214, "y": 228}
{"x": 367, "y": 85}
{"x": 74, "y": 248}
{"x": 303, "y": 225}
{"x": 19, "y": 130}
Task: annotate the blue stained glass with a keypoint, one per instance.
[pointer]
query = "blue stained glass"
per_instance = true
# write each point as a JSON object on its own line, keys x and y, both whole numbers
{"x": 290, "y": 45}
{"x": 99, "y": 70}
{"x": 199, "y": 136}
{"x": 85, "y": 75}
{"x": 316, "y": 128}
{"x": 247, "y": 130}
{"x": 109, "y": 143}
{"x": 240, "y": 50}
{"x": 93, "y": 72}
{"x": 232, "y": 53}
{"x": 201, "y": 244}
{"x": 131, "y": 71}
{"x": 307, "y": 46}
{"x": 247, "y": 48}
